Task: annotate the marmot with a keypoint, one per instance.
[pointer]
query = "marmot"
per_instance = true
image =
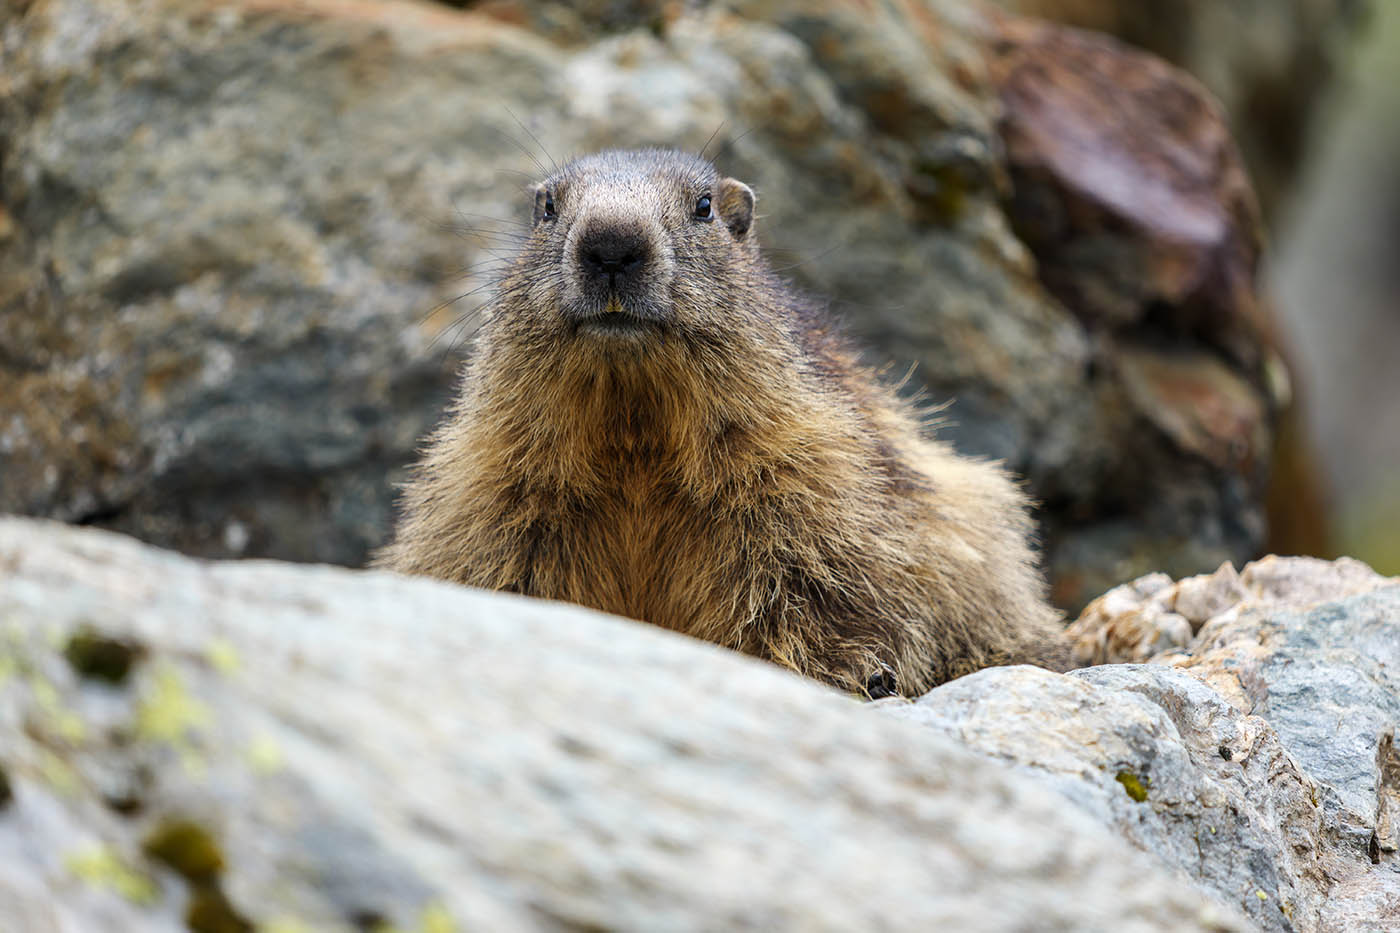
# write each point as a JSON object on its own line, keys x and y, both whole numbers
{"x": 655, "y": 425}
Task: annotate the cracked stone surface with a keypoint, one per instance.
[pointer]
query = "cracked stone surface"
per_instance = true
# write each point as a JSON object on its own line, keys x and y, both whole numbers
{"x": 1251, "y": 746}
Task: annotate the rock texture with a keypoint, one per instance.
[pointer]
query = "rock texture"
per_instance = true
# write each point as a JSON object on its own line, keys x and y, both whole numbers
{"x": 1269, "y": 62}
{"x": 243, "y": 245}
{"x": 218, "y": 745}
{"x": 1280, "y": 71}
{"x": 1256, "y": 754}
{"x": 1129, "y": 216}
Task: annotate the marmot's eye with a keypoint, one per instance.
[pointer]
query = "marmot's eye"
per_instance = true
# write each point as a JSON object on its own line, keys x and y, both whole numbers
{"x": 703, "y": 210}
{"x": 549, "y": 212}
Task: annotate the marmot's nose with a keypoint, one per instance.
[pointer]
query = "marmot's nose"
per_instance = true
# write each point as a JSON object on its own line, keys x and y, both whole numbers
{"x": 611, "y": 254}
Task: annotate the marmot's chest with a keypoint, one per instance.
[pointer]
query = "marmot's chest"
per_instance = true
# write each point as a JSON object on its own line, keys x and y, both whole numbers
{"x": 647, "y": 552}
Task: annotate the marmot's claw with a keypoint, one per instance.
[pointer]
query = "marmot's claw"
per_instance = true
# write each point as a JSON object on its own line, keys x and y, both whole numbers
{"x": 881, "y": 684}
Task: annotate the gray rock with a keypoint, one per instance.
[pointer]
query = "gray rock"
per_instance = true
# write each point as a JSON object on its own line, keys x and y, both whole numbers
{"x": 1256, "y": 757}
{"x": 230, "y": 303}
{"x": 1140, "y": 748}
{"x": 1326, "y": 673}
{"x": 362, "y": 749}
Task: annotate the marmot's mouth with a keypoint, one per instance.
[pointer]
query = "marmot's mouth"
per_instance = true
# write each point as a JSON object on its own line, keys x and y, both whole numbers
{"x": 617, "y": 323}
{"x": 618, "y": 317}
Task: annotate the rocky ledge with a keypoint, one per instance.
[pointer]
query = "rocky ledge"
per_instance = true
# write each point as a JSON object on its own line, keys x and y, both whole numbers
{"x": 213, "y": 746}
{"x": 1253, "y": 751}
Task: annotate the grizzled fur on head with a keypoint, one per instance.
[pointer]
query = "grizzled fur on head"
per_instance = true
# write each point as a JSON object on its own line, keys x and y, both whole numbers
{"x": 655, "y": 425}
{"x": 619, "y": 249}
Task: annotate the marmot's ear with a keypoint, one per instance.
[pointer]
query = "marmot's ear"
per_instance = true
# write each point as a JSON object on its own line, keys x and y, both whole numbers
{"x": 541, "y": 199}
{"x": 735, "y": 206}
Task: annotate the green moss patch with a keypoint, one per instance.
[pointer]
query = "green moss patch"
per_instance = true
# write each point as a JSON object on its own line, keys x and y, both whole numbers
{"x": 187, "y": 848}
{"x": 101, "y": 657}
{"x": 1134, "y": 786}
{"x": 209, "y": 911}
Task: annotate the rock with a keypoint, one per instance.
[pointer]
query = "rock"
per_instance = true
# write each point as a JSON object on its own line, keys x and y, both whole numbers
{"x": 1127, "y": 188}
{"x": 1107, "y": 739}
{"x": 1325, "y": 671}
{"x": 1126, "y": 214}
{"x": 1136, "y": 621}
{"x": 1256, "y": 757}
{"x": 316, "y": 748}
{"x": 231, "y": 300}
{"x": 1269, "y": 62}
{"x": 1275, "y": 67}
{"x": 1198, "y": 599}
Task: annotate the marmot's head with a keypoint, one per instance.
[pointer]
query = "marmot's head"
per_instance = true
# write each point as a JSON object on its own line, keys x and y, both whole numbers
{"x": 627, "y": 246}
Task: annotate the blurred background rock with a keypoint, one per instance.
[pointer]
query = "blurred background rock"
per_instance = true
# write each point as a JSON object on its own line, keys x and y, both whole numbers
{"x": 1312, "y": 88}
{"x": 242, "y": 247}
{"x": 1271, "y": 64}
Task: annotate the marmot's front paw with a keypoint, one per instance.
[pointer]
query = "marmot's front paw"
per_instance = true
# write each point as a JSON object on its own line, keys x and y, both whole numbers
{"x": 881, "y": 684}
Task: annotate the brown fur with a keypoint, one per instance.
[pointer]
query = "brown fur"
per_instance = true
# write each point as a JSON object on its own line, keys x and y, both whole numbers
{"x": 695, "y": 448}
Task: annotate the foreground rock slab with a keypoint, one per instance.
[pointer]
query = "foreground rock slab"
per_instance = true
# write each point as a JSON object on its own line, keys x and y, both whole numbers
{"x": 1255, "y": 753}
{"x": 187, "y": 743}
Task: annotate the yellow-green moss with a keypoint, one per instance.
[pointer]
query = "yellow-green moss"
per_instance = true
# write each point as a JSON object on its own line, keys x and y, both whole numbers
{"x": 45, "y": 694}
{"x": 284, "y": 925}
{"x": 434, "y": 919}
{"x": 169, "y": 713}
{"x": 222, "y": 655}
{"x": 265, "y": 755}
{"x": 69, "y": 726}
{"x": 102, "y": 867}
{"x": 186, "y": 847}
{"x": 1135, "y": 787}
{"x": 57, "y": 773}
{"x": 58, "y": 720}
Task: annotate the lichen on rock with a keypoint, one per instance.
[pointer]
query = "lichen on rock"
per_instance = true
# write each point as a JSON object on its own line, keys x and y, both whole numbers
{"x": 451, "y": 759}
